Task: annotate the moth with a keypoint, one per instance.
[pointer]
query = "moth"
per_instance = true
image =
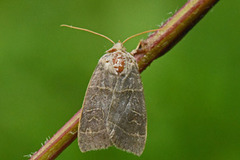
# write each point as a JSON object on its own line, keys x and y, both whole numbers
{"x": 114, "y": 111}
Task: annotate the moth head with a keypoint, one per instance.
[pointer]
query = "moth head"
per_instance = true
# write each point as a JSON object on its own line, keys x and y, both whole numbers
{"x": 116, "y": 47}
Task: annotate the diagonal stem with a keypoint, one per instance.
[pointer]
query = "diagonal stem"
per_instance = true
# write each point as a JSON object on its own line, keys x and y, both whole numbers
{"x": 148, "y": 50}
{"x": 171, "y": 32}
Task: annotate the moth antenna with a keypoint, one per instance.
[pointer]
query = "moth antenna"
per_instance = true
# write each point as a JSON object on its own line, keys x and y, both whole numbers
{"x": 87, "y": 30}
{"x": 138, "y": 34}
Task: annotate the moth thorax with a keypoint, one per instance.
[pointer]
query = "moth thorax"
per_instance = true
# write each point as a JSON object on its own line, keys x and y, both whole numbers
{"x": 118, "y": 62}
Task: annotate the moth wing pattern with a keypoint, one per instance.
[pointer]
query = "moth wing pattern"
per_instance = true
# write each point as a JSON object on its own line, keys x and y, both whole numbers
{"x": 114, "y": 112}
{"x": 92, "y": 133}
{"x": 127, "y": 121}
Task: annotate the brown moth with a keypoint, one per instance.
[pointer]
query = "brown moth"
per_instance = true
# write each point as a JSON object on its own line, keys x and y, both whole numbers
{"x": 114, "y": 112}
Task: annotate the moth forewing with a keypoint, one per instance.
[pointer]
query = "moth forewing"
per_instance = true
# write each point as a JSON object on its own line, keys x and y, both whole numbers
{"x": 126, "y": 123}
{"x": 92, "y": 133}
{"x": 114, "y": 110}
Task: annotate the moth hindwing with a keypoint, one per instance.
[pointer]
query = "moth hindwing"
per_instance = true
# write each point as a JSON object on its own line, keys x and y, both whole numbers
{"x": 114, "y": 112}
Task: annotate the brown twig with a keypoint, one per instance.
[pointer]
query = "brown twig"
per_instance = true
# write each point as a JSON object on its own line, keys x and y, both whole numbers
{"x": 148, "y": 50}
{"x": 171, "y": 32}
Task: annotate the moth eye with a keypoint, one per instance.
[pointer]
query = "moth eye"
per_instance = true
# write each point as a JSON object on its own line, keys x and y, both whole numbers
{"x": 140, "y": 46}
{"x": 107, "y": 61}
{"x": 112, "y": 50}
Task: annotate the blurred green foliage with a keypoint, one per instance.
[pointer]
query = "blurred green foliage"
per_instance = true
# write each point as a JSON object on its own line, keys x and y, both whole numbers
{"x": 192, "y": 93}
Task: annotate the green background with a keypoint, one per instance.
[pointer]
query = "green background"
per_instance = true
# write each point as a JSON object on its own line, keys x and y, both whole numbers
{"x": 192, "y": 93}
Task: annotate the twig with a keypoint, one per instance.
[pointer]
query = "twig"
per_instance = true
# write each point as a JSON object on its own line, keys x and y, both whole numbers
{"x": 172, "y": 31}
{"x": 148, "y": 50}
